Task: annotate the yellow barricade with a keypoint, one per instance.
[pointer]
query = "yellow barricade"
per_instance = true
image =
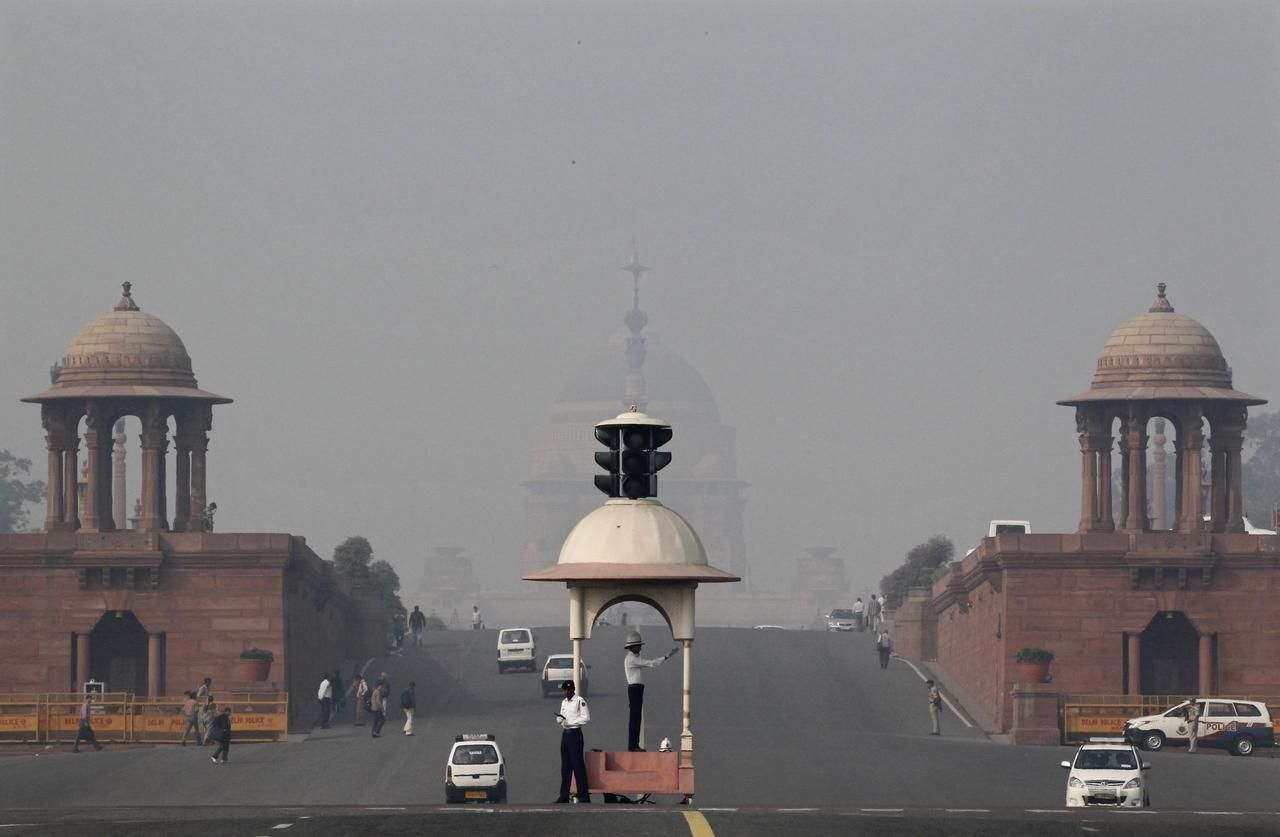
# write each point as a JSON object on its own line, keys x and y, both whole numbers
{"x": 19, "y": 719}
{"x": 255, "y": 716}
{"x": 60, "y": 717}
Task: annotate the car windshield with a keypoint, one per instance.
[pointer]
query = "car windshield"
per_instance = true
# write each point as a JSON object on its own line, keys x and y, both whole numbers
{"x": 1106, "y": 760}
{"x": 1177, "y": 711}
{"x": 560, "y": 662}
{"x": 842, "y": 614}
{"x": 475, "y": 754}
{"x": 509, "y": 637}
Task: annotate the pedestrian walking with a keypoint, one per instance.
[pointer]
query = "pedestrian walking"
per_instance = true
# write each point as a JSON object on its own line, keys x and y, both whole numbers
{"x": 378, "y": 704}
{"x": 634, "y": 666}
{"x": 85, "y": 729}
{"x": 203, "y": 715}
{"x": 362, "y": 698}
{"x": 873, "y": 612}
{"x": 477, "y": 621}
{"x": 409, "y": 702}
{"x": 884, "y": 646}
{"x": 325, "y": 695}
{"x": 859, "y": 614}
{"x": 1193, "y": 724}
{"x": 191, "y": 712}
{"x": 935, "y": 706}
{"x": 221, "y": 733}
{"x": 417, "y": 624}
{"x": 572, "y": 717}
{"x": 339, "y": 695}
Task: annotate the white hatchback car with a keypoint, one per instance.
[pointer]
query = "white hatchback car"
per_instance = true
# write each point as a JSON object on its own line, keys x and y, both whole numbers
{"x": 559, "y": 668}
{"x": 475, "y": 771}
{"x": 1107, "y": 771}
{"x": 516, "y": 649}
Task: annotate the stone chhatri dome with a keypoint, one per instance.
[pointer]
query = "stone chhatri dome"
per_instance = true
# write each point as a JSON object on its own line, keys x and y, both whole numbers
{"x": 1161, "y": 354}
{"x": 126, "y": 353}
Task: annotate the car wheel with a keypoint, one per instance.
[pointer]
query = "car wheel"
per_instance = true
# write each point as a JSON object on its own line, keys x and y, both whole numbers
{"x": 1153, "y": 741}
{"x": 1242, "y": 746}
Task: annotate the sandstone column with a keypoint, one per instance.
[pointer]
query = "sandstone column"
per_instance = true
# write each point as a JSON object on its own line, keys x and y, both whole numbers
{"x": 1088, "y": 473}
{"x": 1233, "y": 421}
{"x": 82, "y": 660}
{"x": 1206, "y": 665}
{"x": 199, "y": 444}
{"x": 153, "y": 664}
{"x": 94, "y": 437}
{"x": 55, "y": 441}
{"x": 1217, "y": 482}
{"x": 1158, "y": 517}
{"x": 70, "y": 490}
{"x": 182, "y": 491}
{"x": 155, "y": 431}
{"x": 1179, "y": 474}
{"x": 1134, "y": 686}
{"x": 119, "y": 487}
{"x": 1123, "y": 522}
{"x": 1136, "y": 500}
{"x": 1106, "y": 514}
{"x": 1191, "y": 441}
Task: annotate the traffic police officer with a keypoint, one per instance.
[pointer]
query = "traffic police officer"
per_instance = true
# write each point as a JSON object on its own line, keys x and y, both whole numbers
{"x": 935, "y": 705}
{"x": 573, "y": 715}
{"x": 634, "y": 665}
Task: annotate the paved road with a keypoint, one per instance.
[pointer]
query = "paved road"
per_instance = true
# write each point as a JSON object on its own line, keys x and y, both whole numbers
{"x": 782, "y": 719}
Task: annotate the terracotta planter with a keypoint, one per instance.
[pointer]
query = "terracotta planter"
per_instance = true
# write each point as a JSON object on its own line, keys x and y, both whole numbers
{"x": 1032, "y": 672}
{"x": 258, "y": 670}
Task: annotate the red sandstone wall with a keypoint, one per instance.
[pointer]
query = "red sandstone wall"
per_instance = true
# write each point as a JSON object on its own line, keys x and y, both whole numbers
{"x": 971, "y": 646}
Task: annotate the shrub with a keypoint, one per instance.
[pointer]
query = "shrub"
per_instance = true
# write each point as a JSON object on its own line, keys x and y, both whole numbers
{"x": 257, "y": 654}
{"x": 1035, "y": 655}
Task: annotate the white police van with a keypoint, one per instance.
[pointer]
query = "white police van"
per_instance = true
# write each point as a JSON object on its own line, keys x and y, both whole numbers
{"x": 516, "y": 648}
{"x": 476, "y": 770}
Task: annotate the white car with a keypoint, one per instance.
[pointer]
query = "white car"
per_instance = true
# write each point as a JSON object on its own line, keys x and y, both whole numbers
{"x": 1107, "y": 771}
{"x": 1237, "y": 725}
{"x": 841, "y": 619}
{"x": 475, "y": 771}
{"x": 516, "y": 649}
{"x": 559, "y": 668}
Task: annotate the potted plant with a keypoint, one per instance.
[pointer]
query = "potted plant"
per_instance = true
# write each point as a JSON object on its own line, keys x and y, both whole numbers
{"x": 1033, "y": 665}
{"x": 255, "y": 663}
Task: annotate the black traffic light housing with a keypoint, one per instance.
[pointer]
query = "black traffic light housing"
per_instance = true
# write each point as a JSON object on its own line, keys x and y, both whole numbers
{"x": 633, "y": 459}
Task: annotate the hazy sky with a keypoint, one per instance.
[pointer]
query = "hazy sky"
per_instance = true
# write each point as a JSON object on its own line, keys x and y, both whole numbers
{"x": 889, "y": 235}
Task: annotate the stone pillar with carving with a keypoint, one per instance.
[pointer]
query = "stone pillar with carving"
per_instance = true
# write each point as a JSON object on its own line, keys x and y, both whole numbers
{"x": 1231, "y": 424}
{"x": 155, "y": 441}
{"x": 1088, "y": 471}
{"x": 119, "y": 483}
{"x": 196, "y": 437}
{"x": 55, "y": 441}
{"x": 182, "y": 511}
{"x": 1159, "y": 519}
{"x": 1217, "y": 479}
{"x": 1106, "y": 512}
{"x": 1190, "y": 442}
{"x": 97, "y": 453}
{"x": 1136, "y": 491}
{"x": 1123, "y": 522}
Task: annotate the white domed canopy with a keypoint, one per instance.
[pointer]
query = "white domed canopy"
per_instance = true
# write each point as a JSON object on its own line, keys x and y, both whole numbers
{"x": 640, "y": 540}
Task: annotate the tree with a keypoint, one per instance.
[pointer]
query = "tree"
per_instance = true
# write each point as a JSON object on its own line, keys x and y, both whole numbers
{"x": 387, "y": 581}
{"x": 920, "y": 567}
{"x": 1261, "y": 473}
{"x": 352, "y": 557}
{"x": 16, "y": 492}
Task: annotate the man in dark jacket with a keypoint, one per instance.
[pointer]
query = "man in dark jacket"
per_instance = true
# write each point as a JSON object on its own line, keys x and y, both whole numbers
{"x": 220, "y": 731}
{"x": 409, "y": 702}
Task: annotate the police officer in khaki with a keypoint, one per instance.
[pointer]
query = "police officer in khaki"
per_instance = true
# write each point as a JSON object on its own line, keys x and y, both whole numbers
{"x": 935, "y": 706}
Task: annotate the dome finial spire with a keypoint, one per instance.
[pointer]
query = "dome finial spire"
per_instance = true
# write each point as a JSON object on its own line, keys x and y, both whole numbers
{"x": 1161, "y": 305}
{"x": 126, "y": 302}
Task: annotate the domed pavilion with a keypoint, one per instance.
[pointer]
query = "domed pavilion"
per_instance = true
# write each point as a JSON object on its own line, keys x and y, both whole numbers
{"x": 126, "y": 363}
{"x": 1135, "y": 616}
{"x": 1162, "y": 364}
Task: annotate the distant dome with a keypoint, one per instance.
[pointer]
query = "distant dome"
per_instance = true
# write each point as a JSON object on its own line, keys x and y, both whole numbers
{"x": 676, "y": 388}
{"x": 1161, "y": 354}
{"x": 126, "y": 352}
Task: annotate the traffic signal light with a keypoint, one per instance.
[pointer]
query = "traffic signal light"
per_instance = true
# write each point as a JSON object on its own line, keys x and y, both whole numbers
{"x": 633, "y": 459}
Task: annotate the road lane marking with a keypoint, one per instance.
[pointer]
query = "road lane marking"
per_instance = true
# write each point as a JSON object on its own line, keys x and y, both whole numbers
{"x": 1218, "y": 813}
{"x": 945, "y": 699}
{"x": 881, "y": 810}
{"x": 698, "y": 825}
{"x": 796, "y": 810}
{"x": 968, "y": 810}
{"x": 1087, "y": 828}
{"x": 384, "y": 809}
{"x": 282, "y": 825}
{"x": 718, "y": 809}
{"x": 1043, "y": 810}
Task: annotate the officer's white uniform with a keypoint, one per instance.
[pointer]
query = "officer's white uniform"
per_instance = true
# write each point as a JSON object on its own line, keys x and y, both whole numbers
{"x": 574, "y": 714}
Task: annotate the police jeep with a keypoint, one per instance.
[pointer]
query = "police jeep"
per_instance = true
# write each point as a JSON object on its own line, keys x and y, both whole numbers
{"x": 476, "y": 770}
